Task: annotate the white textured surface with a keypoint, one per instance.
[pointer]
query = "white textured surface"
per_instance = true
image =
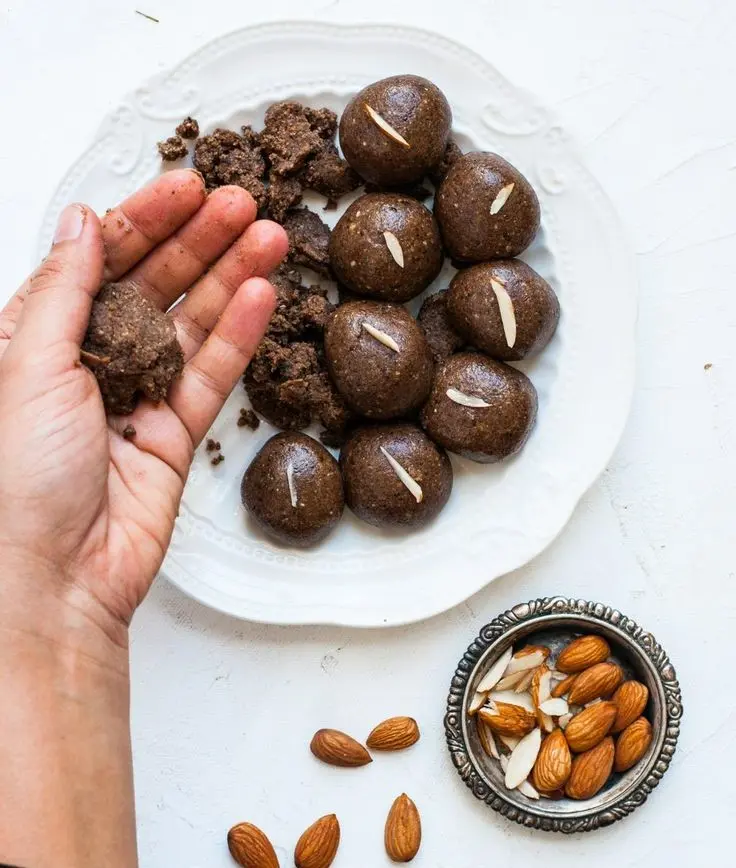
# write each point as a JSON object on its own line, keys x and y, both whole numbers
{"x": 224, "y": 710}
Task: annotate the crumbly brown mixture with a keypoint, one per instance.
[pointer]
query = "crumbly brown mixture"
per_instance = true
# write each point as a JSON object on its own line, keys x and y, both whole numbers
{"x": 248, "y": 419}
{"x": 129, "y": 432}
{"x": 283, "y": 194}
{"x": 309, "y": 239}
{"x": 173, "y": 148}
{"x": 226, "y": 157}
{"x": 287, "y": 380}
{"x": 218, "y": 459}
{"x": 293, "y": 133}
{"x": 327, "y": 173}
{"x": 452, "y": 153}
{"x": 131, "y": 347}
{"x": 212, "y": 445}
{"x": 188, "y": 129}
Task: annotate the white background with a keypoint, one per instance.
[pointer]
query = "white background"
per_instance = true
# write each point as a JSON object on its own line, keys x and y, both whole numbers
{"x": 223, "y": 711}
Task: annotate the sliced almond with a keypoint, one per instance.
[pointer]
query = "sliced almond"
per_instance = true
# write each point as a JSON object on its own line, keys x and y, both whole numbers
{"x": 501, "y": 198}
{"x": 385, "y": 126}
{"x": 525, "y": 682}
{"x": 522, "y": 758}
{"x": 488, "y": 740}
{"x": 511, "y": 698}
{"x": 526, "y": 660}
{"x": 478, "y": 701}
{"x": 526, "y": 789}
{"x": 547, "y": 723}
{"x": 508, "y": 682}
{"x": 385, "y": 339}
{"x": 492, "y": 677}
{"x": 564, "y": 719}
{"x": 394, "y": 248}
{"x": 543, "y": 690}
{"x": 506, "y": 307}
{"x": 465, "y": 400}
{"x": 554, "y": 707}
{"x": 412, "y": 485}
{"x": 292, "y": 484}
{"x": 510, "y": 741}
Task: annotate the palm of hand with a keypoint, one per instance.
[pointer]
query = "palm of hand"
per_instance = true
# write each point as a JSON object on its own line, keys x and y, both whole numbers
{"x": 73, "y": 491}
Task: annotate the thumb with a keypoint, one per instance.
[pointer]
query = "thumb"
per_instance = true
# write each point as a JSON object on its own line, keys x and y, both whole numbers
{"x": 58, "y": 295}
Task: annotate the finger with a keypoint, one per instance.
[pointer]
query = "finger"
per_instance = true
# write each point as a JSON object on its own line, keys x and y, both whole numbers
{"x": 9, "y": 318}
{"x": 148, "y": 217}
{"x": 257, "y": 252}
{"x": 172, "y": 268}
{"x": 58, "y": 295}
{"x": 207, "y": 380}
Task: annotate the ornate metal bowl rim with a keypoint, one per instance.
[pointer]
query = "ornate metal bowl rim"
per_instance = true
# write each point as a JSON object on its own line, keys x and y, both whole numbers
{"x": 544, "y": 612}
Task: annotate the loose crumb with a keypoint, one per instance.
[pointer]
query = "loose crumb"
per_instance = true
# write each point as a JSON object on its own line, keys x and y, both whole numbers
{"x": 707, "y": 366}
{"x": 218, "y": 459}
{"x": 129, "y": 432}
{"x": 173, "y": 148}
{"x": 188, "y": 129}
{"x": 213, "y": 445}
{"x": 248, "y": 419}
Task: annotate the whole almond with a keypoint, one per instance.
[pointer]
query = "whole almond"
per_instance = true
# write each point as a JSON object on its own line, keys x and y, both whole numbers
{"x": 590, "y": 770}
{"x": 563, "y": 688}
{"x": 632, "y": 744}
{"x": 318, "y": 845}
{"x": 600, "y": 680}
{"x": 338, "y": 749}
{"x": 581, "y": 653}
{"x": 554, "y": 762}
{"x": 590, "y": 726}
{"x": 250, "y": 848}
{"x": 508, "y": 719}
{"x": 396, "y": 733}
{"x": 631, "y": 699}
{"x": 403, "y": 832}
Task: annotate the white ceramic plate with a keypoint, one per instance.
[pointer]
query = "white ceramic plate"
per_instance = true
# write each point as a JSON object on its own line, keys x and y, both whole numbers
{"x": 499, "y": 517}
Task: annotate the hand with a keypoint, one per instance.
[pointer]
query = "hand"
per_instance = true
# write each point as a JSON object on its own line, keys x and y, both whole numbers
{"x": 85, "y": 514}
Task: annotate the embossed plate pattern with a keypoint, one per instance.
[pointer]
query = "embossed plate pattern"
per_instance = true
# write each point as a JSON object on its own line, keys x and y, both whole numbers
{"x": 499, "y": 517}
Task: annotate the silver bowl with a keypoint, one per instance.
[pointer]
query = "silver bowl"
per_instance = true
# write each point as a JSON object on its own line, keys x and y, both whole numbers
{"x": 554, "y": 621}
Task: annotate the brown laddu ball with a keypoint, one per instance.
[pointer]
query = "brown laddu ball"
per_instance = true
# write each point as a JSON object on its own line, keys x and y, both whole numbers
{"x": 479, "y": 408}
{"x": 395, "y": 476}
{"x": 486, "y": 209}
{"x": 293, "y": 489}
{"x": 396, "y": 130}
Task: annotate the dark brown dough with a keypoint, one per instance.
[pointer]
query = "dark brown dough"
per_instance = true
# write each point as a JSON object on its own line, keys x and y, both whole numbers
{"x": 283, "y": 194}
{"x": 131, "y": 347}
{"x": 416, "y": 109}
{"x": 293, "y": 133}
{"x": 362, "y": 260}
{"x": 329, "y": 174}
{"x": 309, "y": 238}
{"x": 304, "y": 512}
{"x": 485, "y": 434}
{"x": 463, "y": 209}
{"x": 442, "y": 338}
{"x": 375, "y": 380}
{"x": 374, "y": 491}
{"x": 287, "y": 380}
{"x": 225, "y": 157}
{"x": 474, "y": 310}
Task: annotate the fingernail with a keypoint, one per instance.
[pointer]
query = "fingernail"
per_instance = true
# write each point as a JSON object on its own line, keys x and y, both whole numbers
{"x": 70, "y": 225}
